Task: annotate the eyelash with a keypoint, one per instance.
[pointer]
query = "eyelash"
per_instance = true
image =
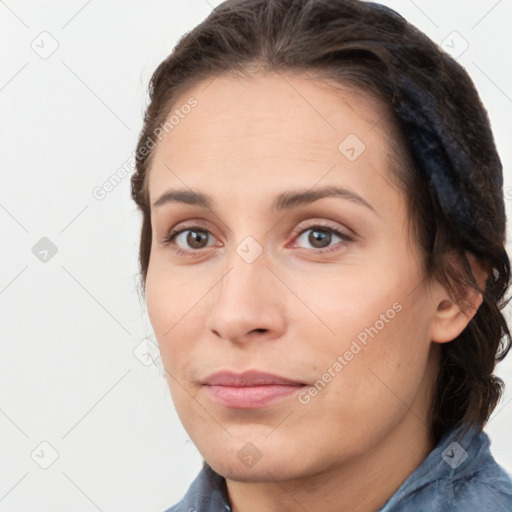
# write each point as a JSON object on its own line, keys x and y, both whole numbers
{"x": 173, "y": 233}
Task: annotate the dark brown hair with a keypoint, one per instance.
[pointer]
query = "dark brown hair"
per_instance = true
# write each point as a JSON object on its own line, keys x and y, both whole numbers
{"x": 444, "y": 160}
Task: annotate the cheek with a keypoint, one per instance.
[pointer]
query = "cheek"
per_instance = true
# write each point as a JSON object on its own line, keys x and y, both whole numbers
{"x": 168, "y": 300}
{"x": 383, "y": 360}
{"x": 171, "y": 292}
{"x": 347, "y": 302}
{"x": 374, "y": 335}
{"x": 176, "y": 321}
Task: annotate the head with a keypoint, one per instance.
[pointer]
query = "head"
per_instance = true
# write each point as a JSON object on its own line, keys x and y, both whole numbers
{"x": 384, "y": 300}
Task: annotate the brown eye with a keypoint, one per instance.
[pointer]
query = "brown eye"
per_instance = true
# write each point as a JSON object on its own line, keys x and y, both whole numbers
{"x": 190, "y": 239}
{"x": 320, "y": 237}
{"x": 196, "y": 238}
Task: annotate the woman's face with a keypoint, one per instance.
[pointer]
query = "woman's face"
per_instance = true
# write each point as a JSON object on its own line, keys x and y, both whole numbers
{"x": 326, "y": 292}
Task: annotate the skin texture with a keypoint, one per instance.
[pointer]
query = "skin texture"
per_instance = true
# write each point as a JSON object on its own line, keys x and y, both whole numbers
{"x": 294, "y": 309}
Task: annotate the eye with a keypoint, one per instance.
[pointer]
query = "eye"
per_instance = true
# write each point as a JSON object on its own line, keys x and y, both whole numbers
{"x": 321, "y": 236}
{"x": 195, "y": 236}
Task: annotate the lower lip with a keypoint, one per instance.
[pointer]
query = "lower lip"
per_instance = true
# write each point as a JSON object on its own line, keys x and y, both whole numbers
{"x": 250, "y": 397}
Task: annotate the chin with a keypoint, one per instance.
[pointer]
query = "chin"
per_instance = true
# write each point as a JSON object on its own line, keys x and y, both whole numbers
{"x": 258, "y": 461}
{"x": 261, "y": 472}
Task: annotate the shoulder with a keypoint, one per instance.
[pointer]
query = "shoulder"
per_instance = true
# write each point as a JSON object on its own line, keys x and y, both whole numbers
{"x": 182, "y": 506}
{"x": 207, "y": 493}
{"x": 480, "y": 483}
{"x": 459, "y": 475}
{"x": 489, "y": 488}
{"x": 175, "y": 508}
{"x": 480, "y": 492}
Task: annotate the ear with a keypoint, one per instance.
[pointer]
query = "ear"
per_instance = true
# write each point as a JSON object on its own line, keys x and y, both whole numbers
{"x": 449, "y": 320}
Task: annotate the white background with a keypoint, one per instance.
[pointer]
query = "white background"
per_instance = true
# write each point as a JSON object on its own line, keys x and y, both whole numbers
{"x": 69, "y": 326}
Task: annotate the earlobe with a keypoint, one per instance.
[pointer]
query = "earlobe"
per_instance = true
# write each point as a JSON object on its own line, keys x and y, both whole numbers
{"x": 449, "y": 319}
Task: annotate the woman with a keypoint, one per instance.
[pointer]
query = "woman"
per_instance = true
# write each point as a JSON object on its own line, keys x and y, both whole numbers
{"x": 322, "y": 254}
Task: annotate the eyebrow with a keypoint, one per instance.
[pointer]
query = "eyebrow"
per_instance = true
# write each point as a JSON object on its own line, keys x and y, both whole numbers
{"x": 283, "y": 201}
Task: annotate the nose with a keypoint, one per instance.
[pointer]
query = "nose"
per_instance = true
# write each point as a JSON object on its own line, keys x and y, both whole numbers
{"x": 248, "y": 303}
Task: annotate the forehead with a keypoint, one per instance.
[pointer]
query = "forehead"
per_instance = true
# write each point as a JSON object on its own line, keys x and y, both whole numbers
{"x": 270, "y": 126}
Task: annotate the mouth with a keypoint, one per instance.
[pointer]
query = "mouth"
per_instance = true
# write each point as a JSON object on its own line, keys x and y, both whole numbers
{"x": 249, "y": 390}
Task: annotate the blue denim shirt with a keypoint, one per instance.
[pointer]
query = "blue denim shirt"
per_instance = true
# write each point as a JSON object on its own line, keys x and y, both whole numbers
{"x": 458, "y": 475}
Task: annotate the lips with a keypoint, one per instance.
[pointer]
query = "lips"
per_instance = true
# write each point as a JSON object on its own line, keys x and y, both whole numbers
{"x": 249, "y": 390}
{"x": 248, "y": 378}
